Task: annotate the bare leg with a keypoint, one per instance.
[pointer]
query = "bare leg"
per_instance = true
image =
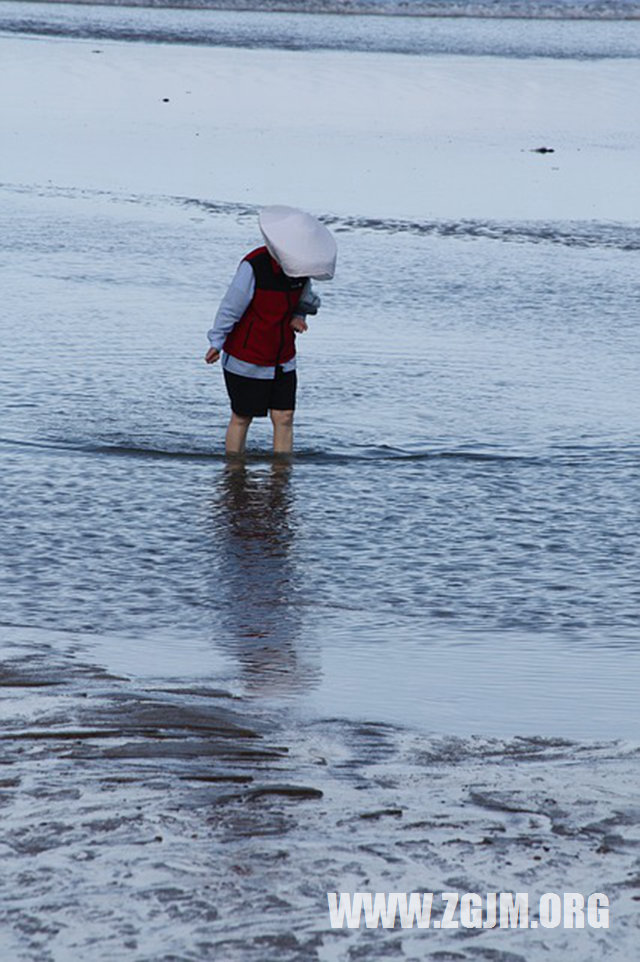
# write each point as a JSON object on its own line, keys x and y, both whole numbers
{"x": 237, "y": 433}
{"x": 282, "y": 431}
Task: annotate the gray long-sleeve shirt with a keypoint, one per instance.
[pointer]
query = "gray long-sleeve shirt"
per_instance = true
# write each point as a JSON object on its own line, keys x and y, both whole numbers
{"x": 233, "y": 305}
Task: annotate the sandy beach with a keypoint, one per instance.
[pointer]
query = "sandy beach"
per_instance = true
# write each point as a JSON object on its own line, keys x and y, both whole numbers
{"x": 365, "y": 134}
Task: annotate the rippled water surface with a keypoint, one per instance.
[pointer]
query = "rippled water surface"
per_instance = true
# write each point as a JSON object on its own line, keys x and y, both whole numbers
{"x": 428, "y": 616}
{"x": 466, "y": 442}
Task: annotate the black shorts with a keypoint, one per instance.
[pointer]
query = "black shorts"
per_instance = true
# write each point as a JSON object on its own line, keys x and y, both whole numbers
{"x": 253, "y": 397}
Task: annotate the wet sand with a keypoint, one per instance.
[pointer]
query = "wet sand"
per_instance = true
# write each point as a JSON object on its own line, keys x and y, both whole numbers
{"x": 164, "y": 820}
{"x": 420, "y": 137}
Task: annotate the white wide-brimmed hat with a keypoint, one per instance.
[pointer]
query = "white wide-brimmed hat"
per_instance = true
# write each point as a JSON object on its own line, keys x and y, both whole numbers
{"x": 299, "y": 242}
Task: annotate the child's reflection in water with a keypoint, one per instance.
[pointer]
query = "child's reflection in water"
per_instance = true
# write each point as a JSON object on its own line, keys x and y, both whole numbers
{"x": 257, "y": 579}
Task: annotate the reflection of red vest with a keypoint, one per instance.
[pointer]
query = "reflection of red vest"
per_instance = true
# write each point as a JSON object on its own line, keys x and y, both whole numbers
{"x": 263, "y": 335}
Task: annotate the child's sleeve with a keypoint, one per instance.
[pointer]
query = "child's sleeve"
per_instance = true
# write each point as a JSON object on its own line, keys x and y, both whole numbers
{"x": 233, "y": 305}
{"x": 309, "y": 301}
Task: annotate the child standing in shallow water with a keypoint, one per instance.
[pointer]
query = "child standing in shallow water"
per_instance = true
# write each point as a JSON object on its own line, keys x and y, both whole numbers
{"x": 264, "y": 308}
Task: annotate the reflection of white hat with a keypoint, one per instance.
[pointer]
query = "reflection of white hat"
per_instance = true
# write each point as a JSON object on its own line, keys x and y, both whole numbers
{"x": 299, "y": 242}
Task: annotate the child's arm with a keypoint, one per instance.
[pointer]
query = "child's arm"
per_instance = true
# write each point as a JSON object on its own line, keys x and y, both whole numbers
{"x": 308, "y": 304}
{"x": 233, "y": 305}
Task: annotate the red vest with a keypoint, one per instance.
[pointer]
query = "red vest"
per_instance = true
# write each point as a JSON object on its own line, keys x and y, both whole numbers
{"x": 263, "y": 335}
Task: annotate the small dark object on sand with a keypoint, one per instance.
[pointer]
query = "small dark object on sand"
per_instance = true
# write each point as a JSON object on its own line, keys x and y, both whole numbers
{"x": 287, "y": 791}
{"x": 165, "y": 100}
{"x": 395, "y": 812}
{"x": 543, "y": 150}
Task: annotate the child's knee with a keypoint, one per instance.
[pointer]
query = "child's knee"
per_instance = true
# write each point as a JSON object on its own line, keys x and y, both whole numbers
{"x": 240, "y": 418}
{"x": 282, "y": 418}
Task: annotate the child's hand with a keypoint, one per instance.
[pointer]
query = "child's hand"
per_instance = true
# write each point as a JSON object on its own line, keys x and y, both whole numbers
{"x": 212, "y": 355}
{"x": 299, "y": 325}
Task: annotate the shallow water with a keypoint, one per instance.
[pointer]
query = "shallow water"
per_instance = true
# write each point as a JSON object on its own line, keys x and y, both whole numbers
{"x": 465, "y": 472}
{"x": 466, "y": 443}
{"x": 405, "y": 659}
